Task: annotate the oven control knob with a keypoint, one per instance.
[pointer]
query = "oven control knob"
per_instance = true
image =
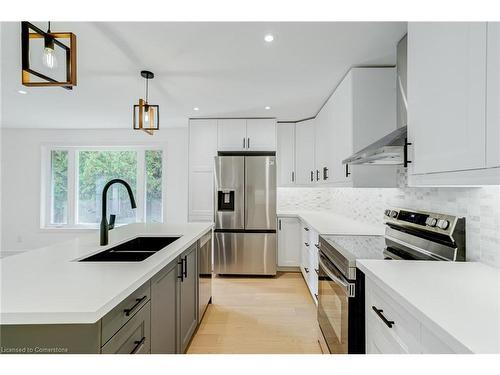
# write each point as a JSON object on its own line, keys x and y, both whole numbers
{"x": 431, "y": 221}
{"x": 443, "y": 224}
{"x": 394, "y": 214}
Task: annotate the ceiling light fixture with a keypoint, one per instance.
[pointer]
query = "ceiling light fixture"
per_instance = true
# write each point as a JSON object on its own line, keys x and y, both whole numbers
{"x": 52, "y": 42}
{"x": 196, "y": 109}
{"x": 146, "y": 116}
{"x": 22, "y": 92}
{"x": 267, "y": 107}
{"x": 269, "y": 38}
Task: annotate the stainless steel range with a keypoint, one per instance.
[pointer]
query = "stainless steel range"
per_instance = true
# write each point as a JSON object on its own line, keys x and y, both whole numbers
{"x": 409, "y": 235}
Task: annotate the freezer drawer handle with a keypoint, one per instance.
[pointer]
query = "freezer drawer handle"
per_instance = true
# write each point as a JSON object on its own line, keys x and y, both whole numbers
{"x": 379, "y": 312}
{"x": 137, "y": 303}
{"x": 138, "y": 345}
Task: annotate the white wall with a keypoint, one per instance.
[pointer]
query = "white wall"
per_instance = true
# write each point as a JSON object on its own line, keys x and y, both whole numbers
{"x": 20, "y": 184}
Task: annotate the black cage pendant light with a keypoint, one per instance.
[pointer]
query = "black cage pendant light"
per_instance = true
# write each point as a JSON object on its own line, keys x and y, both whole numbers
{"x": 146, "y": 116}
{"x": 46, "y": 48}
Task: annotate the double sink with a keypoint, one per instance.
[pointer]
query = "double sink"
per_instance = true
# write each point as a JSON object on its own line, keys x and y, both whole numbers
{"x": 135, "y": 250}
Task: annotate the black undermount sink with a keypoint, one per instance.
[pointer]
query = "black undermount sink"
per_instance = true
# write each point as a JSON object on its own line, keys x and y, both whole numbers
{"x": 135, "y": 250}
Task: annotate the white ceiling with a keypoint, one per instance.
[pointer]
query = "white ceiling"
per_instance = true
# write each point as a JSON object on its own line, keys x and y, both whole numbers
{"x": 225, "y": 69}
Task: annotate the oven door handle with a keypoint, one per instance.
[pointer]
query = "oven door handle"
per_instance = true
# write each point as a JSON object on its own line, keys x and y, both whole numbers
{"x": 349, "y": 288}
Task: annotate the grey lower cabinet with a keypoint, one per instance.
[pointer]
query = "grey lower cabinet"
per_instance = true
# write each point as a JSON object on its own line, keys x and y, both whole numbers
{"x": 188, "y": 297}
{"x": 174, "y": 304}
{"x": 159, "y": 317}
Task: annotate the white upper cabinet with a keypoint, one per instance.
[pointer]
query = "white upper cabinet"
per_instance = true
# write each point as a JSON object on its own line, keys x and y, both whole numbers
{"x": 246, "y": 135}
{"x": 493, "y": 96}
{"x": 285, "y": 153}
{"x": 361, "y": 110}
{"x": 232, "y": 134}
{"x": 447, "y": 96}
{"x": 261, "y": 134}
{"x": 304, "y": 152}
{"x": 202, "y": 150}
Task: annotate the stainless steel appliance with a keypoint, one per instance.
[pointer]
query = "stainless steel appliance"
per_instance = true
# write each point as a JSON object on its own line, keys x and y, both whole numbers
{"x": 392, "y": 148}
{"x": 205, "y": 274}
{"x": 245, "y": 215}
{"x": 409, "y": 235}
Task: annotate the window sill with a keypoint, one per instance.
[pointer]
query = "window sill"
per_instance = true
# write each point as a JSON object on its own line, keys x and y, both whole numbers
{"x": 75, "y": 228}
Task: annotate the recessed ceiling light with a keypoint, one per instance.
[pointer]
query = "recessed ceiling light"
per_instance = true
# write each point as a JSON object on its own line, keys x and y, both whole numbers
{"x": 22, "y": 92}
{"x": 267, "y": 107}
{"x": 196, "y": 109}
{"x": 269, "y": 38}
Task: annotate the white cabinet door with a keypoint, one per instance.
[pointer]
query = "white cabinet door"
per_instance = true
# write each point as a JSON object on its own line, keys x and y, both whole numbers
{"x": 202, "y": 150}
{"x": 261, "y": 134}
{"x": 447, "y": 96}
{"x": 285, "y": 153}
{"x": 342, "y": 128}
{"x": 289, "y": 242}
{"x": 232, "y": 134}
{"x": 493, "y": 96}
{"x": 322, "y": 142}
{"x": 304, "y": 151}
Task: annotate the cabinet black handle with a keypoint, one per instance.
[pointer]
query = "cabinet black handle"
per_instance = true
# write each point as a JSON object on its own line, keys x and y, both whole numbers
{"x": 293, "y": 176}
{"x": 312, "y": 176}
{"x": 317, "y": 175}
{"x": 306, "y": 269}
{"x": 325, "y": 173}
{"x": 279, "y": 224}
{"x": 181, "y": 276}
{"x": 316, "y": 296}
{"x": 405, "y": 153}
{"x": 317, "y": 245}
{"x": 243, "y": 142}
{"x": 248, "y": 142}
{"x": 185, "y": 261}
{"x": 379, "y": 312}
{"x": 306, "y": 229}
{"x": 138, "y": 345}
{"x": 137, "y": 303}
{"x": 347, "y": 173}
{"x": 317, "y": 273}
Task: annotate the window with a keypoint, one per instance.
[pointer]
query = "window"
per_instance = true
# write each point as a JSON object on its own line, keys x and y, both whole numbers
{"x": 76, "y": 176}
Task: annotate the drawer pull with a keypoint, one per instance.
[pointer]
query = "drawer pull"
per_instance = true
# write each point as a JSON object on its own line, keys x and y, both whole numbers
{"x": 305, "y": 243}
{"x": 379, "y": 312}
{"x": 306, "y": 269}
{"x": 306, "y": 229}
{"x": 317, "y": 245}
{"x": 138, "y": 345}
{"x": 137, "y": 303}
{"x": 317, "y": 271}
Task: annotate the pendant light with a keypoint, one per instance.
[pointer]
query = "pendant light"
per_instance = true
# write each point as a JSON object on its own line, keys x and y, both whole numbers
{"x": 54, "y": 44}
{"x": 146, "y": 116}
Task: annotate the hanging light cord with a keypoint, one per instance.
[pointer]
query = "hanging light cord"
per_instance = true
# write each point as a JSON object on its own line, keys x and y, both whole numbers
{"x": 147, "y": 90}
{"x": 48, "y": 29}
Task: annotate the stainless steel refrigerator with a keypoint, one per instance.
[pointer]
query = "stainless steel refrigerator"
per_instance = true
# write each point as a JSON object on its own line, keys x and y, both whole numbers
{"x": 245, "y": 215}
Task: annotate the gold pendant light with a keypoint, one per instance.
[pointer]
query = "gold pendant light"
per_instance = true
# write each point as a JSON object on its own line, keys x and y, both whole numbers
{"x": 146, "y": 116}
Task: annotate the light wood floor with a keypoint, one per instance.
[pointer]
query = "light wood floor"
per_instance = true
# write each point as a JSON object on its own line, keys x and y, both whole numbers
{"x": 259, "y": 315}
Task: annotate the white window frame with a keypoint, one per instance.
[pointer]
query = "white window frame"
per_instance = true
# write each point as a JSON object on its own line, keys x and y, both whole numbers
{"x": 73, "y": 150}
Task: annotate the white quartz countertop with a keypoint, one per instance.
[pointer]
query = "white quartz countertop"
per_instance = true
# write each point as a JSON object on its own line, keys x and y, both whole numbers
{"x": 48, "y": 285}
{"x": 329, "y": 223}
{"x": 459, "y": 301}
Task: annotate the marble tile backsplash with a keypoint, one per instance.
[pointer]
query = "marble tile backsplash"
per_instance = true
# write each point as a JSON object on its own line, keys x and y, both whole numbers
{"x": 480, "y": 207}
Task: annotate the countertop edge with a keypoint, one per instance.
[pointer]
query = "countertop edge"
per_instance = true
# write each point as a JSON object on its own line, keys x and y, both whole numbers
{"x": 426, "y": 320}
{"x": 92, "y": 317}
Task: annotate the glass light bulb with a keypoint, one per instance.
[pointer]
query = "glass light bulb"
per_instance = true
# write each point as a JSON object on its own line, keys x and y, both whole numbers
{"x": 49, "y": 58}
{"x": 146, "y": 116}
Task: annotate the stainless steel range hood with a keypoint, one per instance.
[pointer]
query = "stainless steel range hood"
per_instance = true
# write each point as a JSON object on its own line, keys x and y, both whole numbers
{"x": 388, "y": 150}
{"x": 392, "y": 148}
